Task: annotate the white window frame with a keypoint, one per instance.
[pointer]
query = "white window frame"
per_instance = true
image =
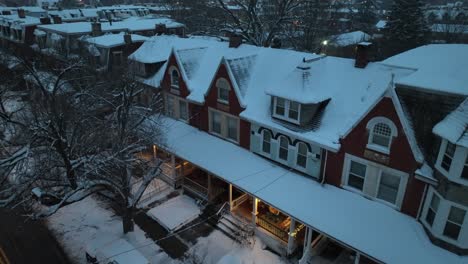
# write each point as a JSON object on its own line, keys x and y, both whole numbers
{"x": 279, "y": 149}
{"x": 176, "y": 107}
{"x": 263, "y": 141}
{"x": 378, "y": 187}
{"x": 173, "y": 84}
{"x": 459, "y": 160}
{"x": 434, "y": 194}
{"x": 458, "y": 224}
{"x": 224, "y": 125}
{"x": 370, "y": 127}
{"x": 349, "y": 171}
{"x": 441, "y": 218}
{"x": 286, "y": 111}
{"x": 297, "y": 166}
{"x": 401, "y": 189}
{"x": 219, "y": 88}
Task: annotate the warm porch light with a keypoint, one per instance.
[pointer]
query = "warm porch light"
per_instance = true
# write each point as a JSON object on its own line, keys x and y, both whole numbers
{"x": 325, "y": 42}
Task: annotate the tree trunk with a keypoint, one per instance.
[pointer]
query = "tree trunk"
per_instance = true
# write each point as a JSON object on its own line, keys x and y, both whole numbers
{"x": 127, "y": 220}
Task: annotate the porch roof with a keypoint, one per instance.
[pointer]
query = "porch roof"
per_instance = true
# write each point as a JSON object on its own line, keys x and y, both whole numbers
{"x": 369, "y": 227}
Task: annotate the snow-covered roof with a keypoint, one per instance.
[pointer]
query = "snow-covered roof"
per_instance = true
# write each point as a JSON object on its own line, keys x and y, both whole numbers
{"x": 450, "y": 28}
{"x": 382, "y": 232}
{"x": 426, "y": 174}
{"x": 127, "y": 25}
{"x": 114, "y": 40}
{"x": 454, "y": 127}
{"x": 439, "y": 68}
{"x": 349, "y": 38}
{"x": 14, "y": 20}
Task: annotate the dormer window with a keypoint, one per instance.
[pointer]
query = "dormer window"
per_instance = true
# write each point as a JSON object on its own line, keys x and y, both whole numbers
{"x": 286, "y": 110}
{"x": 174, "y": 78}
{"x": 381, "y": 133}
{"x": 452, "y": 162}
{"x": 223, "y": 87}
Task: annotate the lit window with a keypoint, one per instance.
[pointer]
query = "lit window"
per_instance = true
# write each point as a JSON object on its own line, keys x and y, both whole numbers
{"x": 454, "y": 222}
{"x": 232, "y": 128}
{"x": 301, "y": 155}
{"x": 216, "y": 122}
{"x": 357, "y": 174}
{"x": 223, "y": 90}
{"x": 280, "y": 106}
{"x": 283, "y": 148}
{"x": 448, "y": 156}
{"x": 266, "y": 143}
{"x": 432, "y": 210}
{"x": 175, "y": 79}
{"x": 388, "y": 187}
{"x": 183, "y": 110}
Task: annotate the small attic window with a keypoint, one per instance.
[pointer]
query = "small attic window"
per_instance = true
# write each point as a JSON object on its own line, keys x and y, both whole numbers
{"x": 381, "y": 133}
{"x": 223, "y": 87}
{"x": 174, "y": 78}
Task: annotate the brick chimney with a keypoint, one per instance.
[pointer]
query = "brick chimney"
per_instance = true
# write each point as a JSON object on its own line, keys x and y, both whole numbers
{"x": 362, "y": 54}
{"x": 96, "y": 29}
{"x": 45, "y": 20}
{"x": 21, "y": 13}
{"x": 160, "y": 29}
{"x": 57, "y": 19}
{"x": 127, "y": 38}
{"x": 235, "y": 40}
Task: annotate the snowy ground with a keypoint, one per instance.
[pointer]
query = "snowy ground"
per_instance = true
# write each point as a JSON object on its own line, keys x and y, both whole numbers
{"x": 77, "y": 225}
{"x": 175, "y": 212}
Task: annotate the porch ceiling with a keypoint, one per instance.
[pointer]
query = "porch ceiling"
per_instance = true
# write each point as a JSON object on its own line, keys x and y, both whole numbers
{"x": 372, "y": 228}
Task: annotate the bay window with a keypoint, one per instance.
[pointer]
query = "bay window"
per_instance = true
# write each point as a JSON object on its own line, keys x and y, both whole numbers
{"x": 286, "y": 110}
{"x": 448, "y": 156}
{"x": 454, "y": 222}
{"x": 224, "y": 125}
{"x": 432, "y": 209}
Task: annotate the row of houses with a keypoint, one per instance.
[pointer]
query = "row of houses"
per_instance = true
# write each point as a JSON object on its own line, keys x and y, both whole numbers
{"x": 319, "y": 151}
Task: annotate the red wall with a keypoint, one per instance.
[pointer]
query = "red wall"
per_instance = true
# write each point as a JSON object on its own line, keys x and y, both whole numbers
{"x": 199, "y": 113}
{"x": 400, "y": 158}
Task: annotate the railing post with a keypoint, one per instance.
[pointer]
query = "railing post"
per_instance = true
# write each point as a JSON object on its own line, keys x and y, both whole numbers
{"x": 254, "y": 211}
{"x": 291, "y": 236}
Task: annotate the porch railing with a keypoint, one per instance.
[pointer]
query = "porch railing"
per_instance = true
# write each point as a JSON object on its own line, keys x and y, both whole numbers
{"x": 195, "y": 188}
{"x": 239, "y": 201}
{"x": 272, "y": 228}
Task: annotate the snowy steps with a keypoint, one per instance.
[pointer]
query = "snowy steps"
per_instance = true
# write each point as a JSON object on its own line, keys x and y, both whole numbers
{"x": 237, "y": 229}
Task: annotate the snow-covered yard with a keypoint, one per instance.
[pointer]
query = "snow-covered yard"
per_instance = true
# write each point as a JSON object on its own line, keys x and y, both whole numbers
{"x": 175, "y": 212}
{"x": 77, "y": 225}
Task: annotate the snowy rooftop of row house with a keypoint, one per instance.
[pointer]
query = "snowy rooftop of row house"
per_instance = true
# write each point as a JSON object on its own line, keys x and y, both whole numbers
{"x": 349, "y": 38}
{"x": 127, "y": 25}
{"x": 454, "y": 127}
{"x": 381, "y": 24}
{"x": 114, "y": 40}
{"x": 450, "y": 28}
{"x": 439, "y": 68}
{"x": 14, "y": 19}
{"x": 383, "y": 233}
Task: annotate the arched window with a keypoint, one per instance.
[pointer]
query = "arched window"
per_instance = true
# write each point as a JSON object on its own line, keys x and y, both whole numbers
{"x": 223, "y": 90}
{"x": 266, "y": 143}
{"x": 175, "y": 78}
{"x": 301, "y": 160}
{"x": 283, "y": 148}
{"x": 381, "y": 133}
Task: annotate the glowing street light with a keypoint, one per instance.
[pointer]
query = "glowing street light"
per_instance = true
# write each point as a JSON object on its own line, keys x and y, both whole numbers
{"x": 325, "y": 42}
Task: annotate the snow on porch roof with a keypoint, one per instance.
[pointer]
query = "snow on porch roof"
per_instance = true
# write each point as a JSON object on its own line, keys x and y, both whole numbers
{"x": 454, "y": 127}
{"x": 367, "y": 226}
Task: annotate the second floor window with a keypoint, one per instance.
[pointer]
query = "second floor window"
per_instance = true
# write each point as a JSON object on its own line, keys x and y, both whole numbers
{"x": 223, "y": 87}
{"x": 454, "y": 222}
{"x": 177, "y": 108}
{"x": 224, "y": 125}
{"x": 388, "y": 187}
{"x": 357, "y": 175}
{"x": 175, "y": 78}
{"x": 448, "y": 156}
{"x": 432, "y": 210}
{"x": 286, "y": 110}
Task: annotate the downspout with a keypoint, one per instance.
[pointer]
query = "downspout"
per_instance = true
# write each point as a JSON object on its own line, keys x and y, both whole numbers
{"x": 324, "y": 168}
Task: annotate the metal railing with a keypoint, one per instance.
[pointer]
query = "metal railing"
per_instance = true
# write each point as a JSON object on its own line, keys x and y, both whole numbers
{"x": 239, "y": 201}
{"x": 272, "y": 228}
{"x": 196, "y": 188}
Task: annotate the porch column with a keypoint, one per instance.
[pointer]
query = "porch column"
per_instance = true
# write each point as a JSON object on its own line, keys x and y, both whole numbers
{"x": 254, "y": 211}
{"x": 230, "y": 197}
{"x": 307, "y": 243}
{"x": 209, "y": 195}
{"x": 292, "y": 236}
{"x": 357, "y": 258}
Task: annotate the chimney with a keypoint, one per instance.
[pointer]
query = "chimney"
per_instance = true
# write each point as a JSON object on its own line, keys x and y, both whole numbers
{"x": 21, "y": 13}
{"x": 96, "y": 29}
{"x": 128, "y": 38}
{"x": 235, "y": 40}
{"x": 45, "y": 20}
{"x": 160, "y": 29}
{"x": 362, "y": 54}
{"x": 57, "y": 19}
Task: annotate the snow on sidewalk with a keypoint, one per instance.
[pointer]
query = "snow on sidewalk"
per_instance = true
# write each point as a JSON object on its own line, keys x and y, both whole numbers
{"x": 77, "y": 225}
{"x": 175, "y": 212}
{"x": 219, "y": 249}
